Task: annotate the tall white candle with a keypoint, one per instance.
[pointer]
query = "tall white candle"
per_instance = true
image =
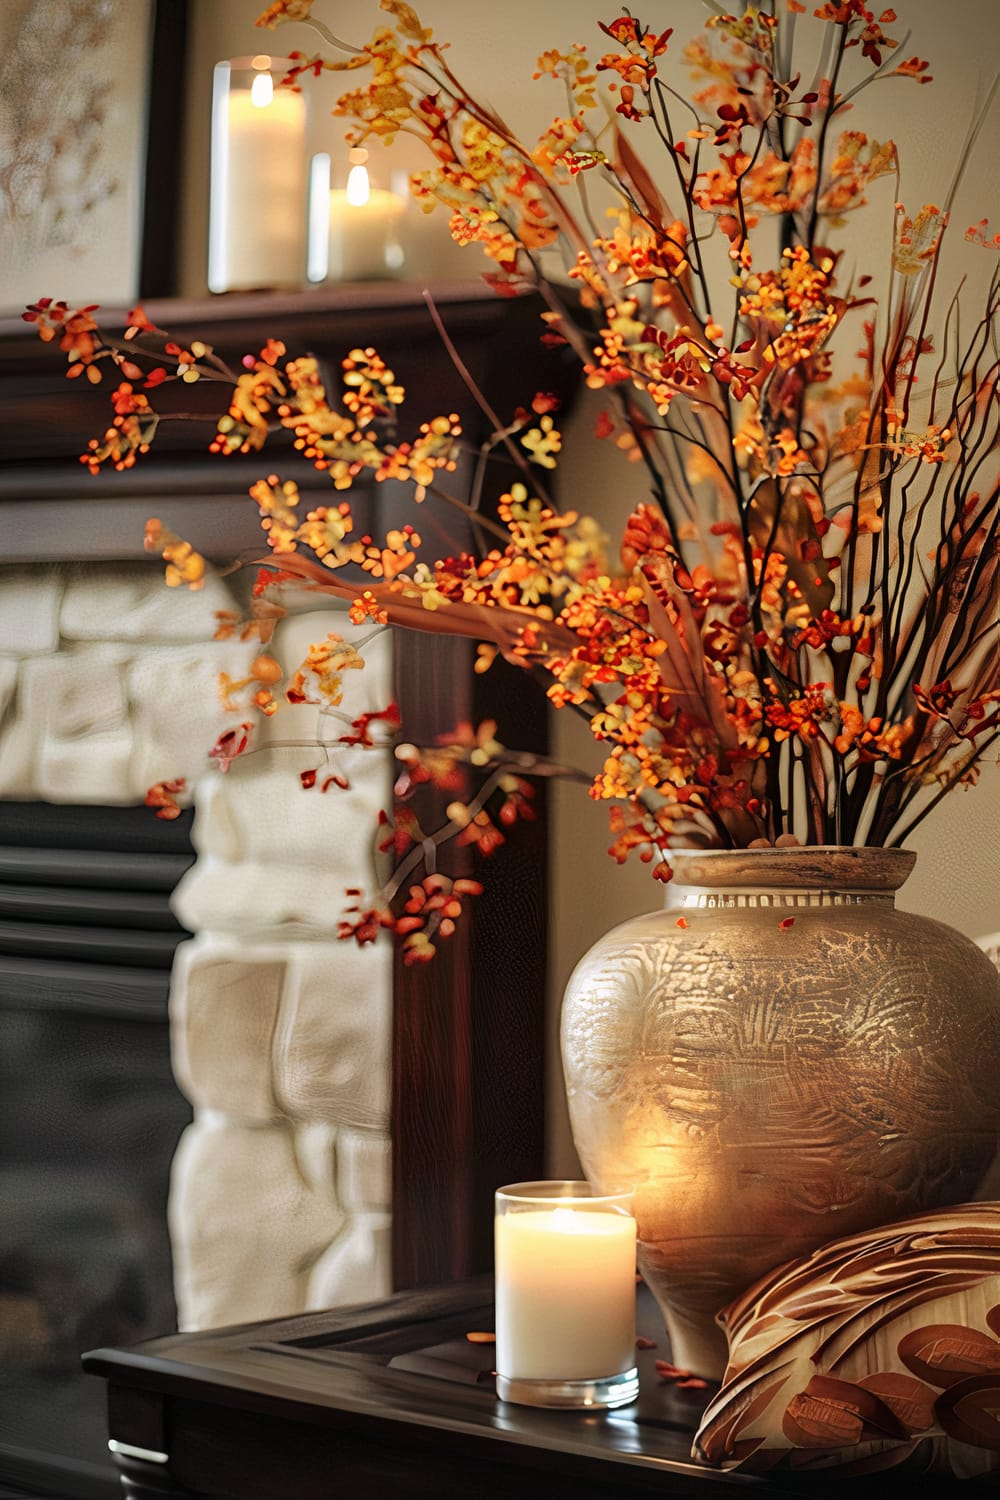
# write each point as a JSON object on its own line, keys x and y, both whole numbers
{"x": 257, "y": 233}
{"x": 565, "y": 1294}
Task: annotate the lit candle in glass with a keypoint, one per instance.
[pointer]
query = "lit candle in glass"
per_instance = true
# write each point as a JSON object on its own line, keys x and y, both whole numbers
{"x": 565, "y": 1296}
{"x": 257, "y": 215}
{"x": 363, "y": 227}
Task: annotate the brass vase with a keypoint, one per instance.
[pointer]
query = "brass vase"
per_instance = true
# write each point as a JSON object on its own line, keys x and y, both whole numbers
{"x": 783, "y": 1059}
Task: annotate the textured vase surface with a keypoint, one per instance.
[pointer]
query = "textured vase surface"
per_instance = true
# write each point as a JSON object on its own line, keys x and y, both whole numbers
{"x": 783, "y": 1059}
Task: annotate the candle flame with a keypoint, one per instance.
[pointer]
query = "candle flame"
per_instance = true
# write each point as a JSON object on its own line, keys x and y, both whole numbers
{"x": 565, "y": 1220}
{"x": 358, "y": 187}
{"x": 262, "y": 90}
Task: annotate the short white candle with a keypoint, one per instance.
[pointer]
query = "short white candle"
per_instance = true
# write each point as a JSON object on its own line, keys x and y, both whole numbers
{"x": 363, "y": 233}
{"x": 258, "y": 210}
{"x": 565, "y": 1293}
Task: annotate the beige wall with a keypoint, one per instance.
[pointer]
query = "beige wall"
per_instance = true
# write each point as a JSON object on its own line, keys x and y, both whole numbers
{"x": 493, "y": 49}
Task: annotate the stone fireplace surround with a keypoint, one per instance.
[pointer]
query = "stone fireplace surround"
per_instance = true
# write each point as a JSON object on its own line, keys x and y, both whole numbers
{"x": 110, "y": 685}
{"x": 281, "y": 1034}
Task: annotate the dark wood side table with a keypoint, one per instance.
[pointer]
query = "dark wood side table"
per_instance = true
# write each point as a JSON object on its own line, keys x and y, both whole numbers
{"x": 391, "y": 1400}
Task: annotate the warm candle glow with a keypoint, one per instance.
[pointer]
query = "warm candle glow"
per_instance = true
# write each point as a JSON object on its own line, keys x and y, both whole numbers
{"x": 262, "y": 90}
{"x": 565, "y": 1221}
{"x": 358, "y": 187}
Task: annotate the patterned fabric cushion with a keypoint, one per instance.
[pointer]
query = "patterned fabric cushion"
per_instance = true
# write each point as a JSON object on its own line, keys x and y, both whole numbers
{"x": 877, "y": 1350}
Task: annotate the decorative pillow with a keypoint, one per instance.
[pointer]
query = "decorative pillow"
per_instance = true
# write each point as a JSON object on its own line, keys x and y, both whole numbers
{"x": 874, "y": 1351}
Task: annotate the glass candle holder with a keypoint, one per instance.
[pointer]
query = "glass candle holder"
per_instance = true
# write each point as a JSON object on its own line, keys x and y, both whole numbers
{"x": 354, "y": 220}
{"x": 259, "y": 178}
{"x": 565, "y": 1296}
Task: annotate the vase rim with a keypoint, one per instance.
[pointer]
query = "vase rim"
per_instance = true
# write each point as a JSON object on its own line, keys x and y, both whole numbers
{"x": 803, "y": 866}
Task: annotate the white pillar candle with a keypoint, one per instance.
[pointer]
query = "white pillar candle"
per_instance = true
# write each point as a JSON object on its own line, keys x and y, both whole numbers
{"x": 364, "y": 230}
{"x": 565, "y": 1290}
{"x": 257, "y": 233}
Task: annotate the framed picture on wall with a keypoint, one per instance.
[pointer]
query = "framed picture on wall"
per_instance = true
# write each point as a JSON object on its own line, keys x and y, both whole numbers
{"x": 90, "y": 89}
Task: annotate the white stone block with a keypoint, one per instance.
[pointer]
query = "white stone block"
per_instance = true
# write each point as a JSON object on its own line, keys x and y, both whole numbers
{"x": 17, "y": 754}
{"x": 356, "y": 1268}
{"x": 176, "y": 708}
{"x": 72, "y": 710}
{"x": 274, "y": 857}
{"x": 312, "y": 831}
{"x": 29, "y": 609}
{"x": 131, "y": 602}
{"x": 372, "y": 686}
{"x": 364, "y": 1170}
{"x": 245, "y": 1228}
{"x": 223, "y": 1012}
{"x": 216, "y": 836}
{"x": 333, "y": 1042}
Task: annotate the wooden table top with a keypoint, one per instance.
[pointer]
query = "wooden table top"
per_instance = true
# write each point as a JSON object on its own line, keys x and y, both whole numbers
{"x": 392, "y": 1393}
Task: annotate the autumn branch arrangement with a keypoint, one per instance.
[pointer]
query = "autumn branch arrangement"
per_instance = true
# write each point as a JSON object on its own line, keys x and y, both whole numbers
{"x": 797, "y": 637}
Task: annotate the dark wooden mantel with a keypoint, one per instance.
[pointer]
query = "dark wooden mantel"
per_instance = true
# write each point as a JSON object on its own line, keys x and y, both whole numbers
{"x": 468, "y": 1040}
{"x": 50, "y": 506}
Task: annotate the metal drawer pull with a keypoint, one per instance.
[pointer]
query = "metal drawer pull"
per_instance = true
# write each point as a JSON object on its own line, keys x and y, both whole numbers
{"x": 129, "y": 1450}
